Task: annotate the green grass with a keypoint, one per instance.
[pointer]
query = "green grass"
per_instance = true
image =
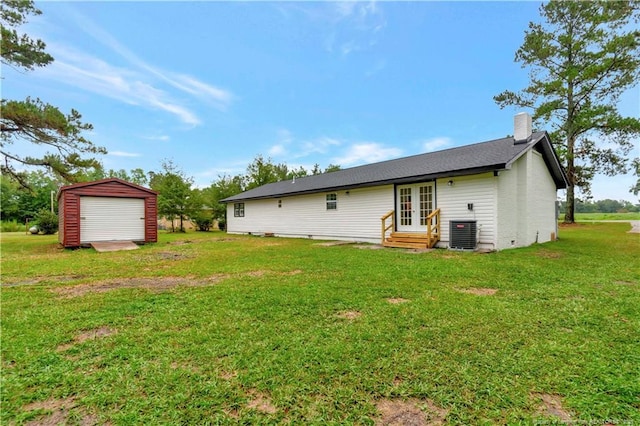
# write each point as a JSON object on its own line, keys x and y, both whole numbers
{"x": 564, "y": 322}
{"x": 606, "y": 216}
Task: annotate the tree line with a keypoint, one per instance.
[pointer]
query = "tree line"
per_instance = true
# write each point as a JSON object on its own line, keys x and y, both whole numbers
{"x": 603, "y": 206}
{"x": 179, "y": 200}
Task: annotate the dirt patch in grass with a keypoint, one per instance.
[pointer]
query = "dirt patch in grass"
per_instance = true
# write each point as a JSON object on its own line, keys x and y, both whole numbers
{"x": 258, "y": 273}
{"x": 397, "y": 300}
{"x": 37, "y": 280}
{"x": 350, "y": 315}
{"x": 412, "y": 412}
{"x": 51, "y": 404}
{"x": 546, "y": 254}
{"x": 625, "y": 283}
{"x": 232, "y": 413}
{"x": 57, "y": 413}
{"x": 369, "y": 247}
{"x": 449, "y": 256}
{"x": 158, "y": 284}
{"x": 551, "y": 406}
{"x": 334, "y": 243}
{"x": 96, "y": 333}
{"x": 418, "y": 250}
{"x": 168, "y": 255}
{"x": 479, "y": 291}
{"x": 261, "y": 403}
{"x": 154, "y": 284}
{"x": 228, "y": 375}
{"x": 175, "y": 365}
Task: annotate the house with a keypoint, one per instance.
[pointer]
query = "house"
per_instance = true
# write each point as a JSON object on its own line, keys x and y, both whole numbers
{"x": 106, "y": 210}
{"x": 491, "y": 195}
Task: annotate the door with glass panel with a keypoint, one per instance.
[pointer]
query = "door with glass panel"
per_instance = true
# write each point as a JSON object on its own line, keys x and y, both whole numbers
{"x": 413, "y": 204}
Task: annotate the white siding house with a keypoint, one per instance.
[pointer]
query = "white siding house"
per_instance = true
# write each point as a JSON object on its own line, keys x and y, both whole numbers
{"x": 505, "y": 187}
{"x": 356, "y": 216}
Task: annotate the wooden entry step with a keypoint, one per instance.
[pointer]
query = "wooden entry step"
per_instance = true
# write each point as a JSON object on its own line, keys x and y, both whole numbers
{"x": 410, "y": 240}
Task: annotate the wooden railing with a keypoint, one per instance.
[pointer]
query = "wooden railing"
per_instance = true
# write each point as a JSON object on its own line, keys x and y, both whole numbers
{"x": 433, "y": 229}
{"x": 433, "y": 225}
{"x": 385, "y": 228}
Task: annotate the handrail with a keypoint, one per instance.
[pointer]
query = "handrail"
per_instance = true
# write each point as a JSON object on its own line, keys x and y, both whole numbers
{"x": 385, "y": 228}
{"x": 429, "y": 220}
{"x": 433, "y": 229}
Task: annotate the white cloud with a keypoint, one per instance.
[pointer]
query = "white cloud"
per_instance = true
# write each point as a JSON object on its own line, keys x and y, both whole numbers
{"x": 161, "y": 138}
{"x": 277, "y": 150}
{"x": 318, "y": 146}
{"x": 284, "y": 138}
{"x": 436, "y": 144}
{"x": 367, "y": 152}
{"x": 230, "y": 168}
{"x": 95, "y": 75}
{"x": 138, "y": 83}
{"x": 123, "y": 154}
{"x": 221, "y": 98}
{"x": 346, "y": 26}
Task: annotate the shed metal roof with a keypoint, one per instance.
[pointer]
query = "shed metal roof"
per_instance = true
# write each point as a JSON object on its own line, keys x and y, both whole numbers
{"x": 103, "y": 182}
{"x": 497, "y": 154}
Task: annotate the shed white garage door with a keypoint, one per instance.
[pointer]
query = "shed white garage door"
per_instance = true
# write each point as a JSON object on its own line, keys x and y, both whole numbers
{"x": 111, "y": 219}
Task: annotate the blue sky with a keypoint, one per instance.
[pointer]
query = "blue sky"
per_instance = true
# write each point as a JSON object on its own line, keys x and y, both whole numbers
{"x": 210, "y": 85}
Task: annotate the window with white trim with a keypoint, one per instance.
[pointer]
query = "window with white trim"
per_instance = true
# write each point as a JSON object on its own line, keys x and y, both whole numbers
{"x": 238, "y": 209}
{"x": 332, "y": 201}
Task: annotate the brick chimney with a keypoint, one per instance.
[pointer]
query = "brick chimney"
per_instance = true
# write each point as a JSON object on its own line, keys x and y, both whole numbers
{"x": 521, "y": 127}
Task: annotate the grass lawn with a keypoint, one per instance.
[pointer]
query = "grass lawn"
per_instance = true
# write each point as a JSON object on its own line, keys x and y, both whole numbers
{"x": 209, "y": 328}
{"x": 605, "y": 216}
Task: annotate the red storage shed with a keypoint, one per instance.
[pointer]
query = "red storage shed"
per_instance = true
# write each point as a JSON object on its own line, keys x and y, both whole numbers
{"x": 107, "y": 210}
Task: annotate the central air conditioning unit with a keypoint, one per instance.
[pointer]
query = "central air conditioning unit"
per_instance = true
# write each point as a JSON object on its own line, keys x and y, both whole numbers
{"x": 462, "y": 234}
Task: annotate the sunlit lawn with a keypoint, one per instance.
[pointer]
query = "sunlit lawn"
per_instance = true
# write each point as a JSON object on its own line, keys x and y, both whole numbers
{"x": 606, "y": 216}
{"x": 212, "y": 328}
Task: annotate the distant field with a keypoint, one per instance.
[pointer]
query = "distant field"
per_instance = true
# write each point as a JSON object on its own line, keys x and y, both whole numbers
{"x": 607, "y": 216}
{"x": 209, "y": 328}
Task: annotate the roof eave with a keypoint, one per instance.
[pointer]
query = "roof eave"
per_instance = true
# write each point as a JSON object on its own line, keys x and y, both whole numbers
{"x": 395, "y": 181}
{"x": 101, "y": 181}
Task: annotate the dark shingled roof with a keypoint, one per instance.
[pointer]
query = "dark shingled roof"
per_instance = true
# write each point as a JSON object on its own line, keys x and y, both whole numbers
{"x": 497, "y": 154}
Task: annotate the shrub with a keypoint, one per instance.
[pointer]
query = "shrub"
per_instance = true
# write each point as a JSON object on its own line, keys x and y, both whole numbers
{"x": 222, "y": 224}
{"x": 47, "y": 222}
{"x": 12, "y": 226}
{"x": 203, "y": 221}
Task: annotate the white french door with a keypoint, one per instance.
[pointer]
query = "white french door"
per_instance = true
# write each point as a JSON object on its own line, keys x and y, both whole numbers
{"x": 413, "y": 204}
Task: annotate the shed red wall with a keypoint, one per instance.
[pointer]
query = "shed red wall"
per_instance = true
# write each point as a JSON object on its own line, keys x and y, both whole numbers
{"x": 151, "y": 219}
{"x": 69, "y": 217}
{"x": 69, "y": 207}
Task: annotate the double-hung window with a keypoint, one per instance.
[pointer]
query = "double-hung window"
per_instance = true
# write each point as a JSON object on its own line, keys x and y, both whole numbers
{"x": 332, "y": 201}
{"x": 238, "y": 210}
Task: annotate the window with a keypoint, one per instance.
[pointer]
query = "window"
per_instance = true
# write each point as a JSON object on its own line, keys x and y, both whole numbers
{"x": 238, "y": 210}
{"x": 405, "y": 206}
{"x": 332, "y": 201}
{"x": 426, "y": 203}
